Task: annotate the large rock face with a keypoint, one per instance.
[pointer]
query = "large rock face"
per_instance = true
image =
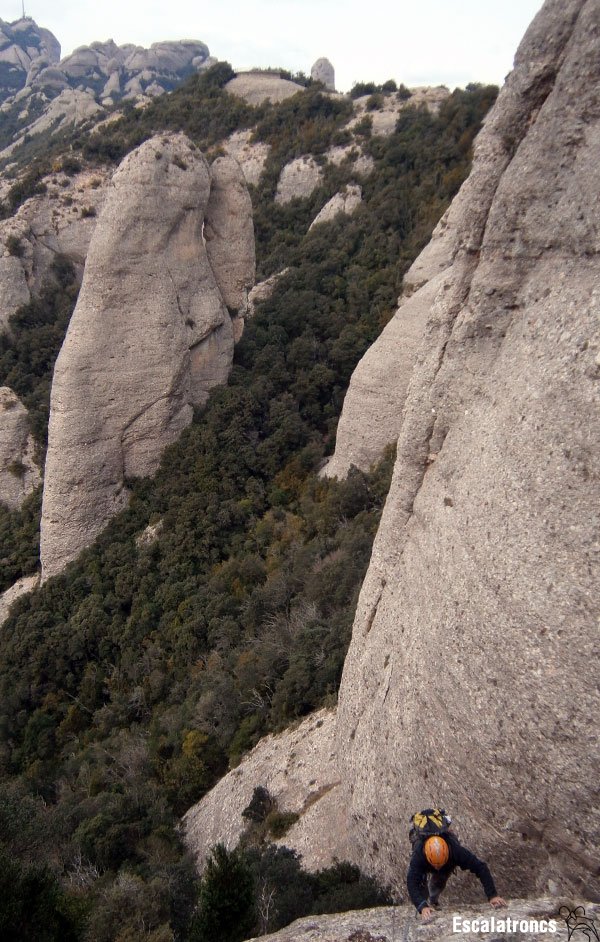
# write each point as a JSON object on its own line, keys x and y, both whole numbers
{"x": 373, "y": 407}
{"x": 229, "y": 236}
{"x": 149, "y": 338}
{"x": 471, "y": 680}
{"x": 299, "y": 771}
{"x": 19, "y": 474}
{"x": 298, "y": 179}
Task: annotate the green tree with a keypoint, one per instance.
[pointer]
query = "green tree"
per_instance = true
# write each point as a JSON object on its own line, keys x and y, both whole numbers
{"x": 226, "y": 905}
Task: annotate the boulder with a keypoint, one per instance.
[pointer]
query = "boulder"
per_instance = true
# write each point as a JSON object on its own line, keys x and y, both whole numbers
{"x": 345, "y": 203}
{"x": 229, "y": 237}
{"x": 323, "y": 71}
{"x": 470, "y": 677}
{"x": 299, "y": 771}
{"x": 19, "y": 474}
{"x": 149, "y": 337}
{"x": 298, "y": 179}
{"x": 258, "y": 87}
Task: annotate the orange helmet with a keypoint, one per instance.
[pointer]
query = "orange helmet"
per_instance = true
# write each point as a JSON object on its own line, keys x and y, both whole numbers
{"x": 436, "y": 851}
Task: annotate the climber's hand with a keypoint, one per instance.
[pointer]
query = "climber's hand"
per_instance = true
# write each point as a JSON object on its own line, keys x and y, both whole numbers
{"x": 427, "y": 914}
{"x": 497, "y": 902}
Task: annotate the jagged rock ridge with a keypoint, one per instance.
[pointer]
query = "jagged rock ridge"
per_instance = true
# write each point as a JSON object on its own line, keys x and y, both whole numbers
{"x": 39, "y": 93}
{"x": 149, "y": 337}
{"x": 480, "y": 605}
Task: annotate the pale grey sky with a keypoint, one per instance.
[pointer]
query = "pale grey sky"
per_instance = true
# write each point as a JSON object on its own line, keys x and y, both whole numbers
{"x": 418, "y": 42}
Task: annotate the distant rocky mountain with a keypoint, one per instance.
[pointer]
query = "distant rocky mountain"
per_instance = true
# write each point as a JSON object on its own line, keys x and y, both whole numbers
{"x": 22, "y": 44}
{"x": 39, "y": 90}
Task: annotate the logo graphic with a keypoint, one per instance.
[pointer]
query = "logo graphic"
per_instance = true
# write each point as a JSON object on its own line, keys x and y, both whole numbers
{"x": 577, "y": 921}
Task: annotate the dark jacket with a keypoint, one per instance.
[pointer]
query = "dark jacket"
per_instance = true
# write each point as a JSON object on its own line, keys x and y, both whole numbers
{"x": 416, "y": 878}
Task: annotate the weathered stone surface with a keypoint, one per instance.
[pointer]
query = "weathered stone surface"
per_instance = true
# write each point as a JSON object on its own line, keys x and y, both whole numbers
{"x": 392, "y": 924}
{"x": 257, "y": 87}
{"x": 150, "y": 336}
{"x": 298, "y": 769}
{"x": 58, "y": 222}
{"x": 85, "y": 82}
{"x": 345, "y": 202}
{"x": 362, "y": 164}
{"x": 263, "y": 290}
{"x": 372, "y": 414}
{"x": 250, "y": 156}
{"x": 19, "y": 474}
{"x": 69, "y": 108}
{"x": 298, "y": 179}
{"x": 21, "y": 587}
{"x": 13, "y": 287}
{"x": 22, "y": 44}
{"x": 385, "y": 116}
{"x": 229, "y": 236}
{"x": 486, "y": 559}
{"x": 323, "y": 71}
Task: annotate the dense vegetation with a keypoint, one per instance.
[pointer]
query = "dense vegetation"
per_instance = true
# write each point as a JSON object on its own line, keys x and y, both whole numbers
{"x": 130, "y": 683}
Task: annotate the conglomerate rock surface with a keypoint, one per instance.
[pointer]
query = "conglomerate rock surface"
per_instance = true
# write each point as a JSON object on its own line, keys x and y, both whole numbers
{"x": 298, "y": 769}
{"x": 471, "y": 681}
{"x": 150, "y": 336}
{"x": 372, "y": 412}
{"x": 229, "y": 236}
{"x": 19, "y": 474}
{"x": 536, "y": 920}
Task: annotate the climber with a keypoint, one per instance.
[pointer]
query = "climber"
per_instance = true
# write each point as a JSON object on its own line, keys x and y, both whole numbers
{"x": 436, "y": 854}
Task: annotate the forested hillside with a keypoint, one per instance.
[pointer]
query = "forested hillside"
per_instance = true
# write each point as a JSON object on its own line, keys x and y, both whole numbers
{"x": 217, "y": 607}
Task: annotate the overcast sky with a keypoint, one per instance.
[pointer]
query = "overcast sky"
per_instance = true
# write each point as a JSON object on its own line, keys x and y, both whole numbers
{"x": 418, "y": 42}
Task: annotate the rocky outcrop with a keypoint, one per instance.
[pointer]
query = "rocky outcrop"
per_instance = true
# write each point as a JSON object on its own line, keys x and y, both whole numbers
{"x": 384, "y": 116}
{"x": 323, "y": 71}
{"x": 298, "y": 770}
{"x": 10, "y": 596}
{"x": 19, "y": 474}
{"x": 298, "y": 179}
{"x": 373, "y": 407}
{"x": 149, "y": 337}
{"x": 229, "y": 237}
{"x": 22, "y": 45}
{"x": 83, "y": 84}
{"x": 361, "y": 164}
{"x": 480, "y": 606}
{"x": 258, "y": 87}
{"x": 251, "y": 156}
{"x": 263, "y": 290}
{"x": 58, "y": 222}
{"x": 394, "y": 923}
{"x": 345, "y": 203}
{"x": 14, "y": 291}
